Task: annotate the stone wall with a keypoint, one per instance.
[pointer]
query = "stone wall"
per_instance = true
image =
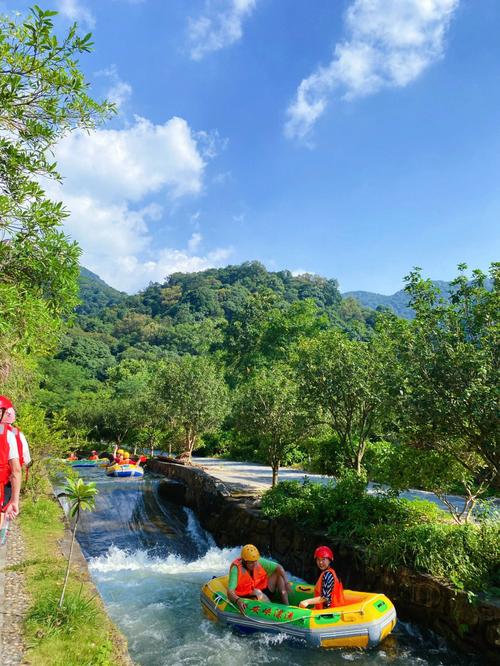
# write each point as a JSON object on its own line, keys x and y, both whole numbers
{"x": 235, "y": 520}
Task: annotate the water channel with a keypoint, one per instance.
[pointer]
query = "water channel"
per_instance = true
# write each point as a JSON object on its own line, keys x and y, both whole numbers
{"x": 149, "y": 558}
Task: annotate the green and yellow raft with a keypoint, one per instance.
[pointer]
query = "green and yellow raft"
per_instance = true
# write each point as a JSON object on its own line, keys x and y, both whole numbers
{"x": 364, "y": 621}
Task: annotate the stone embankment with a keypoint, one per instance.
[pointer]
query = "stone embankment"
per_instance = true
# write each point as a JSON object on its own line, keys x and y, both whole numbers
{"x": 234, "y": 519}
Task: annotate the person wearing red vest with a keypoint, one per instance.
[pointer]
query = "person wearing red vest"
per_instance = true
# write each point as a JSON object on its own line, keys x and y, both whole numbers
{"x": 22, "y": 442}
{"x": 10, "y": 468}
{"x": 94, "y": 456}
{"x": 329, "y": 591}
{"x": 254, "y": 577}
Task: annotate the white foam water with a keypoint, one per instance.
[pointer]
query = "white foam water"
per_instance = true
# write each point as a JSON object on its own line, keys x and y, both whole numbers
{"x": 215, "y": 561}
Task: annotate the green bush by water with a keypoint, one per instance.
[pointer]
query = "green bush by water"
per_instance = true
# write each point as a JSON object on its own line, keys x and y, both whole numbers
{"x": 394, "y": 531}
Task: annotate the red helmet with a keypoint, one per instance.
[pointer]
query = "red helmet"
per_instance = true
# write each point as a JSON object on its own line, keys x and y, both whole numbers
{"x": 5, "y": 403}
{"x": 323, "y": 551}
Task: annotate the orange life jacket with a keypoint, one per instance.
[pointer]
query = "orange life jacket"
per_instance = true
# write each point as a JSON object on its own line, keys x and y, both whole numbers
{"x": 96, "y": 457}
{"x": 4, "y": 459}
{"x": 337, "y": 598}
{"x": 248, "y": 582}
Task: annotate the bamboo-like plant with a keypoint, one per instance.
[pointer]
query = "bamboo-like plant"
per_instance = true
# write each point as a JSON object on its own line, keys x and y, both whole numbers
{"x": 81, "y": 496}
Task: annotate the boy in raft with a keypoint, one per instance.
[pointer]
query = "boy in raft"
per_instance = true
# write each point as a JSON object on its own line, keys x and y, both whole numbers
{"x": 10, "y": 467}
{"x": 329, "y": 591}
{"x": 94, "y": 456}
{"x": 72, "y": 456}
{"x": 253, "y": 577}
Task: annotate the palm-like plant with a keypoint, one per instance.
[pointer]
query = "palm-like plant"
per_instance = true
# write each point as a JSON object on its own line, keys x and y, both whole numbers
{"x": 81, "y": 497}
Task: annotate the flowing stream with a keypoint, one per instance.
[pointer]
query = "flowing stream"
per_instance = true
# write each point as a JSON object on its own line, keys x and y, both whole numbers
{"x": 149, "y": 558}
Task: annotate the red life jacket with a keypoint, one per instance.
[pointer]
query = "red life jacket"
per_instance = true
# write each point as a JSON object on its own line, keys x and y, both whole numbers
{"x": 248, "y": 582}
{"x": 96, "y": 457}
{"x": 4, "y": 459}
{"x": 19, "y": 443}
{"x": 337, "y": 598}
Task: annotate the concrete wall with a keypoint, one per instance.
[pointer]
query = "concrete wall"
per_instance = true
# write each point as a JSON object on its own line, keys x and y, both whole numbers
{"x": 237, "y": 520}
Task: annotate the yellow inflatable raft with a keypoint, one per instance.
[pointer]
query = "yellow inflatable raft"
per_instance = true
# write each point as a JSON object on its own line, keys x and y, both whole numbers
{"x": 124, "y": 470}
{"x": 364, "y": 621}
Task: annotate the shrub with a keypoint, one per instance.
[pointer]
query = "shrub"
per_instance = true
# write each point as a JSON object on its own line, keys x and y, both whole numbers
{"x": 393, "y": 530}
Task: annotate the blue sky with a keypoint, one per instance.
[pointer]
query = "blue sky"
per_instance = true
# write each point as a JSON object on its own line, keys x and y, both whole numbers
{"x": 350, "y": 138}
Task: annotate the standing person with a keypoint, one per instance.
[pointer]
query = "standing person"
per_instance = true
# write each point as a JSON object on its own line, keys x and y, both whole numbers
{"x": 22, "y": 442}
{"x": 10, "y": 468}
{"x": 254, "y": 577}
{"x": 329, "y": 591}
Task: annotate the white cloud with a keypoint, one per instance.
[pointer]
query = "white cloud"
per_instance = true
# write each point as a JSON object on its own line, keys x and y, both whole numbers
{"x": 75, "y": 10}
{"x": 194, "y": 242}
{"x": 133, "y": 162}
{"x": 219, "y": 27}
{"x": 110, "y": 178}
{"x": 389, "y": 43}
{"x": 119, "y": 91}
{"x": 118, "y": 246}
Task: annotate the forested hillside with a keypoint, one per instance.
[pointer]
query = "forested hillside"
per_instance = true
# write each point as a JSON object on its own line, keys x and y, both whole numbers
{"x": 398, "y": 302}
{"x": 191, "y": 312}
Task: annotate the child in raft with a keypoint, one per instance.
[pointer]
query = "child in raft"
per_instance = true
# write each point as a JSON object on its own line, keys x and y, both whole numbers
{"x": 329, "y": 591}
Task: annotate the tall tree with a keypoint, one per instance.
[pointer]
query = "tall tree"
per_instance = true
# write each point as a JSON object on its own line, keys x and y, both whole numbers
{"x": 43, "y": 95}
{"x": 342, "y": 383}
{"x": 193, "y": 396}
{"x": 269, "y": 409}
{"x": 449, "y": 368}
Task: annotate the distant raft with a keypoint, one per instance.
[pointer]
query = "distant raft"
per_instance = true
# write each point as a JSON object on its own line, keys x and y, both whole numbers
{"x": 124, "y": 471}
{"x": 84, "y": 462}
{"x": 364, "y": 621}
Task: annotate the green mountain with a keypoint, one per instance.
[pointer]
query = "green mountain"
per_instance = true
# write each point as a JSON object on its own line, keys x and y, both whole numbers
{"x": 191, "y": 312}
{"x": 397, "y": 302}
{"x": 95, "y": 293}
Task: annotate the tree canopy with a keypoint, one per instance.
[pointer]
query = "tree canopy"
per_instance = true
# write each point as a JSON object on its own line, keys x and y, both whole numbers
{"x": 43, "y": 95}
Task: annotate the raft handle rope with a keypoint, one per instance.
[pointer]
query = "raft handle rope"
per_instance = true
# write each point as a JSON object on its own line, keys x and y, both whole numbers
{"x": 219, "y": 598}
{"x": 361, "y": 610}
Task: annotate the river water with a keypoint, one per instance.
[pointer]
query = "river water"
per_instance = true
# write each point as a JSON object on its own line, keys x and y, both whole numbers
{"x": 149, "y": 559}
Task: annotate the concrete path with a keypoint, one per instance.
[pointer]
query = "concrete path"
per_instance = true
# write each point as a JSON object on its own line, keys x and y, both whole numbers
{"x": 13, "y": 599}
{"x": 252, "y": 476}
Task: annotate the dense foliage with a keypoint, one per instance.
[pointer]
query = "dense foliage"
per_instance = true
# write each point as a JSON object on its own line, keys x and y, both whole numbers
{"x": 43, "y": 95}
{"x": 394, "y": 531}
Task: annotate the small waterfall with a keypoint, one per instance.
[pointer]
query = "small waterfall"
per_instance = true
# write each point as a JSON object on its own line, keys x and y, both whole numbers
{"x": 201, "y": 539}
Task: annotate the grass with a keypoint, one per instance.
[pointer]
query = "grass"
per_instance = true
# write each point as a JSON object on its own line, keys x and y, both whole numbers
{"x": 79, "y": 634}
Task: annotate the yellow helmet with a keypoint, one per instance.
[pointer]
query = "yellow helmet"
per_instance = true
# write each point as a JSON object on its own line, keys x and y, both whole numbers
{"x": 250, "y": 553}
{"x": 121, "y": 451}
{"x": 126, "y": 454}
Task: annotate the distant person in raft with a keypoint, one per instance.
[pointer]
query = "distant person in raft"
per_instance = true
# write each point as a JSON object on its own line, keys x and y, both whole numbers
{"x": 94, "y": 456}
{"x": 72, "y": 456}
{"x": 253, "y": 577}
{"x": 329, "y": 591}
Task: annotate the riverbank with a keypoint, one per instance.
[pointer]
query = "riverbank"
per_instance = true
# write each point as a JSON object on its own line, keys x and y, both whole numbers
{"x": 35, "y": 630}
{"x": 233, "y": 517}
